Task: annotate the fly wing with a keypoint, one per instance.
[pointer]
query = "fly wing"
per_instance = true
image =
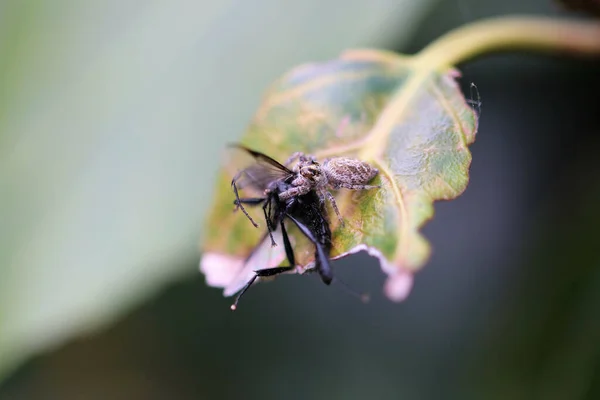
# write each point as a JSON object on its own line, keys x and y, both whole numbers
{"x": 232, "y": 273}
{"x": 253, "y": 170}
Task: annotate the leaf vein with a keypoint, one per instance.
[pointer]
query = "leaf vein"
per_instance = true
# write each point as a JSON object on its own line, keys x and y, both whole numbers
{"x": 318, "y": 83}
{"x": 450, "y": 111}
{"x": 403, "y": 216}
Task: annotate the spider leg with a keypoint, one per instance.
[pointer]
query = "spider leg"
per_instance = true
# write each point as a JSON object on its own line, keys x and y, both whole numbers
{"x": 357, "y": 186}
{"x": 295, "y": 156}
{"x": 334, "y": 205}
{"x": 293, "y": 192}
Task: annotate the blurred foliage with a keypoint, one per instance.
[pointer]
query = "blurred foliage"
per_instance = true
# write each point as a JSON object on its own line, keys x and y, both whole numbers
{"x": 113, "y": 125}
{"x": 555, "y": 335}
{"x": 587, "y": 6}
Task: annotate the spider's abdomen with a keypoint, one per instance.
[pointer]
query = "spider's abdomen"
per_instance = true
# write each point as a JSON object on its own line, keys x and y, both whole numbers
{"x": 349, "y": 171}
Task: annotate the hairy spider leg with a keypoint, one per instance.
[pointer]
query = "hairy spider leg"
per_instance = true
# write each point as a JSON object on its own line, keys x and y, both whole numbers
{"x": 293, "y": 192}
{"x": 289, "y": 252}
{"x": 331, "y": 199}
{"x": 293, "y": 158}
{"x": 298, "y": 156}
{"x": 356, "y": 186}
{"x": 237, "y": 197}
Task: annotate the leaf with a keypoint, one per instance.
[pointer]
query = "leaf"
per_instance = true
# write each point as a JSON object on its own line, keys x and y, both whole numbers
{"x": 409, "y": 120}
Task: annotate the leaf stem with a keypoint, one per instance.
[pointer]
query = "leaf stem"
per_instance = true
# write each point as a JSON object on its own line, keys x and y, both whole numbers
{"x": 510, "y": 34}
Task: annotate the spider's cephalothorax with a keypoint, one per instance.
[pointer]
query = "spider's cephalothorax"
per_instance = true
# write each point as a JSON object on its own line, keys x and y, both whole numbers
{"x": 334, "y": 173}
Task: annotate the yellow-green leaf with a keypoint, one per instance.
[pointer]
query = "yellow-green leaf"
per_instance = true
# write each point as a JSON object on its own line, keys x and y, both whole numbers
{"x": 410, "y": 121}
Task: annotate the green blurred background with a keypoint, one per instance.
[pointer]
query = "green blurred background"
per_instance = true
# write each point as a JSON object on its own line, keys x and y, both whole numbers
{"x": 112, "y": 116}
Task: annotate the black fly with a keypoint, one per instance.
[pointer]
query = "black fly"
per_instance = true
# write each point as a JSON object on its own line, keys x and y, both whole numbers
{"x": 306, "y": 211}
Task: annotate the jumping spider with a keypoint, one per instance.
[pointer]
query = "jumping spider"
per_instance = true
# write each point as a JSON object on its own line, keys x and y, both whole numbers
{"x": 333, "y": 173}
